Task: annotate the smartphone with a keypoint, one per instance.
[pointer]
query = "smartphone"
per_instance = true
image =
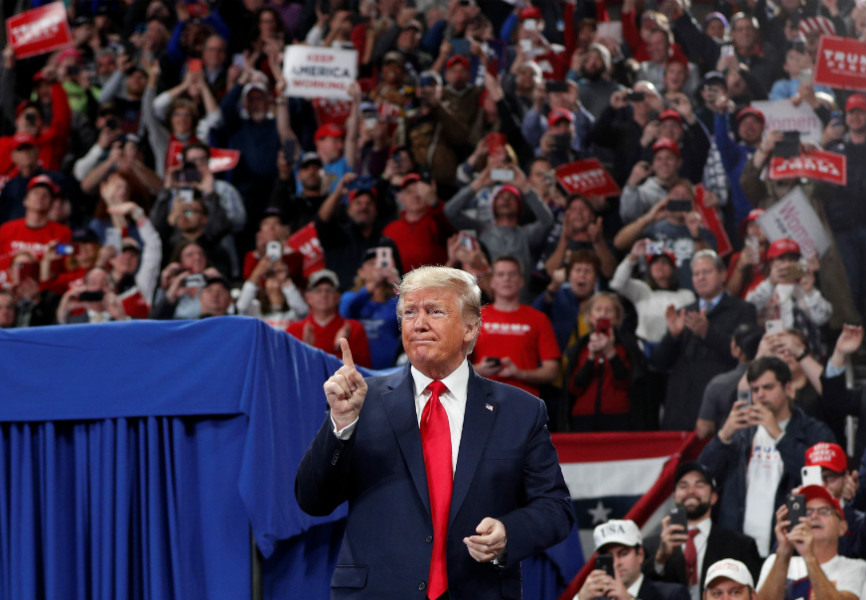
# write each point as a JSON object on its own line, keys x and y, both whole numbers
{"x": 467, "y": 240}
{"x": 796, "y": 504}
{"x": 561, "y": 143}
{"x": 194, "y": 65}
{"x": 502, "y": 174}
{"x": 530, "y": 24}
{"x": 274, "y": 251}
{"x": 744, "y": 396}
{"x": 774, "y": 326}
{"x": 495, "y": 143}
{"x": 653, "y": 248}
{"x": 753, "y": 243}
{"x": 679, "y": 517}
{"x": 289, "y": 147}
{"x": 812, "y": 475}
{"x": 805, "y": 77}
{"x": 238, "y": 60}
{"x": 113, "y": 238}
{"x": 64, "y": 249}
{"x": 636, "y": 97}
{"x": 91, "y": 296}
{"x": 198, "y": 9}
{"x": 364, "y": 182}
{"x": 494, "y": 361}
{"x": 526, "y": 45}
{"x": 73, "y": 70}
{"x": 727, "y": 50}
{"x": 186, "y": 196}
{"x": 555, "y": 86}
{"x": 788, "y": 146}
{"x": 604, "y": 562}
{"x": 188, "y": 173}
{"x": 602, "y": 325}
{"x": 459, "y": 46}
{"x": 195, "y": 280}
{"x": 679, "y": 206}
{"x": 384, "y": 257}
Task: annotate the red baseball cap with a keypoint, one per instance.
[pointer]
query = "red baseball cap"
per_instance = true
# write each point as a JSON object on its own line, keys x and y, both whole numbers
{"x": 666, "y": 144}
{"x": 510, "y": 188}
{"x": 328, "y": 130}
{"x": 409, "y": 179}
{"x": 663, "y": 254}
{"x": 813, "y": 492}
{"x": 752, "y": 216}
{"x": 856, "y": 102}
{"x": 457, "y": 58}
{"x": 558, "y": 114}
{"x": 530, "y": 12}
{"x": 827, "y": 455}
{"x": 751, "y": 111}
{"x": 783, "y": 247}
{"x": 44, "y": 180}
{"x": 368, "y": 191}
{"x": 671, "y": 114}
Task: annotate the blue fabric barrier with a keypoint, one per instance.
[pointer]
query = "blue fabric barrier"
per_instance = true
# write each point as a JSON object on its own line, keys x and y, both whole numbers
{"x": 135, "y": 457}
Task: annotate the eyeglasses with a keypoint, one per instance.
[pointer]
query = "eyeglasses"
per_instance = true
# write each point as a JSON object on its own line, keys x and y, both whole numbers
{"x": 824, "y": 511}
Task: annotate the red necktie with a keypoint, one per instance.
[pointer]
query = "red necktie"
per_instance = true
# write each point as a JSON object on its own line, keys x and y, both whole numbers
{"x": 691, "y": 555}
{"x": 436, "y": 441}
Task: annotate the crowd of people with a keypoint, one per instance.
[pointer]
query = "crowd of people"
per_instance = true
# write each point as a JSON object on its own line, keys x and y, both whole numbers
{"x": 625, "y": 312}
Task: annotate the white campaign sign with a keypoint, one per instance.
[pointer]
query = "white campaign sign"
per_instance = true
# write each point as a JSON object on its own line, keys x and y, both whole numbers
{"x": 782, "y": 115}
{"x": 313, "y": 72}
{"x": 793, "y": 217}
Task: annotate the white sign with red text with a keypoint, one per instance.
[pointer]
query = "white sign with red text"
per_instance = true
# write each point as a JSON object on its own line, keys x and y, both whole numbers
{"x": 39, "y": 30}
{"x": 841, "y": 63}
{"x": 794, "y": 218}
{"x": 314, "y": 72}
{"x": 782, "y": 115}
{"x": 819, "y": 164}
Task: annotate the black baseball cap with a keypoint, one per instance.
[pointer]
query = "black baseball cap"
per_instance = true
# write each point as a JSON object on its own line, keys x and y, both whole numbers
{"x": 690, "y": 465}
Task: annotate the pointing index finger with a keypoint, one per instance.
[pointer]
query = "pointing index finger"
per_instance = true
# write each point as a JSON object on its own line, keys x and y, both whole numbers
{"x": 347, "y": 353}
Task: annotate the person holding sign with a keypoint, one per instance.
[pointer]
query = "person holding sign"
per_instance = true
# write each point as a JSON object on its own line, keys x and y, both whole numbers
{"x": 434, "y": 439}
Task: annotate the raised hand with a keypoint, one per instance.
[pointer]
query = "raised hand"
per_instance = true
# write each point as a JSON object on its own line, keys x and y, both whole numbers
{"x": 345, "y": 390}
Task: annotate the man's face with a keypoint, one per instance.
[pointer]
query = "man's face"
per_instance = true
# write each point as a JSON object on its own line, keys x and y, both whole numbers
{"x": 579, "y": 215}
{"x": 767, "y": 390}
{"x": 582, "y": 278}
{"x": 507, "y": 280}
{"x": 26, "y": 159}
{"x": 135, "y": 83}
{"x": 106, "y": 65}
{"x": 833, "y": 481}
{"x": 716, "y": 29}
{"x": 181, "y": 121}
{"x": 726, "y": 589}
{"x": 457, "y": 76}
{"x": 192, "y": 217}
{"x": 525, "y": 79}
{"x": 126, "y": 262}
{"x": 826, "y": 524}
{"x": 7, "y": 311}
{"x": 310, "y": 176}
{"x": 626, "y": 562}
{"x": 409, "y": 39}
{"x": 257, "y": 104}
{"x": 593, "y": 66}
{"x": 214, "y": 54}
{"x": 506, "y": 205}
{"x": 561, "y": 127}
{"x": 710, "y": 93}
{"x": 435, "y": 335}
{"x": 38, "y": 199}
{"x": 193, "y": 259}
{"x": 329, "y": 148}
{"x": 694, "y": 493}
{"x": 362, "y": 210}
{"x": 657, "y": 47}
{"x": 707, "y": 281}
{"x": 323, "y": 299}
{"x": 743, "y": 35}
{"x": 97, "y": 280}
{"x": 392, "y": 72}
{"x": 666, "y": 164}
{"x": 411, "y": 198}
{"x": 676, "y": 74}
{"x": 540, "y": 175}
{"x": 215, "y": 300}
{"x": 856, "y": 120}
{"x": 670, "y": 128}
{"x": 272, "y": 229}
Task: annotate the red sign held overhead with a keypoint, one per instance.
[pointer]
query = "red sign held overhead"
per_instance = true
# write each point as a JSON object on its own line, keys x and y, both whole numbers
{"x": 306, "y": 241}
{"x": 841, "y": 63}
{"x": 586, "y": 177}
{"x": 713, "y": 222}
{"x": 39, "y": 31}
{"x": 820, "y": 165}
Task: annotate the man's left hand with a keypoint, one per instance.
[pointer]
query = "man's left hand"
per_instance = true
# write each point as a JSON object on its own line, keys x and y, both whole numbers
{"x": 697, "y": 322}
{"x": 490, "y": 541}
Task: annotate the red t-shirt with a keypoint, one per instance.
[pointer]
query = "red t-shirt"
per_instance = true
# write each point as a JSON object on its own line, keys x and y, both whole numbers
{"x": 326, "y": 334}
{"x": 613, "y": 393}
{"x": 424, "y": 242}
{"x": 524, "y": 335}
{"x": 16, "y": 236}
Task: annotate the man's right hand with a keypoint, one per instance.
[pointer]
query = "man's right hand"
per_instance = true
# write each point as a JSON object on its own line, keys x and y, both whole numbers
{"x": 672, "y": 536}
{"x": 345, "y": 390}
{"x": 737, "y": 419}
{"x": 596, "y": 585}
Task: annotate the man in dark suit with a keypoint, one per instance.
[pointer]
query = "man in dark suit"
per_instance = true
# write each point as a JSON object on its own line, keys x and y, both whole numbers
{"x": 697, "y": 345}
{"x": 680, "y": 556}
{"x": 451, "y": 479}
{"x": 622, "y": 540}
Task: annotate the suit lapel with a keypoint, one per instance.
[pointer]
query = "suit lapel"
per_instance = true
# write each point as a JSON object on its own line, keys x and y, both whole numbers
{"x": 481, "y": 409}
{"x": 399, "y": 406}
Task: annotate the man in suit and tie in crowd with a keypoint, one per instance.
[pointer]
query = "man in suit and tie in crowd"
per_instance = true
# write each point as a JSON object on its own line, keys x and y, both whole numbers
{"x": 451, "y": 479}
{"x": 683, "y": 556}
{"x": 623, "y": 541}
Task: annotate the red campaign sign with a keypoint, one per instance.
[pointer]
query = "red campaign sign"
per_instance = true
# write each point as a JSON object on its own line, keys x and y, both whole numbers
{"x": 39, "y": 30}
{"x": 306, "y": 241}
{"x": 220, "y": 159}
{"x": 841, "y": 63}
{"x": 711, "y": 221}
{"x": 820, "y": 165}
{"x": 586, "y": 177}
{"x": 328, "y": 110}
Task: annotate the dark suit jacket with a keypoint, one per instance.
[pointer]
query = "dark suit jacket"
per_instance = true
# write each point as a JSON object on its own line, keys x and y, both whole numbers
{"x": 693, "y": 361}
{"x": 657, "y": 590}
{"x": 722, "y": 543}
{"x": 507, "y": 468}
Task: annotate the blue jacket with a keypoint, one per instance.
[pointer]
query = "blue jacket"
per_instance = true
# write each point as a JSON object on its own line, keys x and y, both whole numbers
{"x": 734, "y": 158}
{"x": 728, "y": 463}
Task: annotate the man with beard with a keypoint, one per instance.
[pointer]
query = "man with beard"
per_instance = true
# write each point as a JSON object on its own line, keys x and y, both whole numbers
{"x": 595, "y": 84}
{"x": 299, "y": 207}
{"x": 683, "y": 556}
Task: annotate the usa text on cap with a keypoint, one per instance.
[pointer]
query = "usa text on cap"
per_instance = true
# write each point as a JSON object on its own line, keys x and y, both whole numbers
{"x": 617, "y": 531}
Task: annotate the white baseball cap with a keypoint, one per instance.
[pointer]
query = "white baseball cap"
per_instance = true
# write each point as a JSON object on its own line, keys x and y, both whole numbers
{"x": 729, "y": 568}
{"x": 617, "y": 531}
